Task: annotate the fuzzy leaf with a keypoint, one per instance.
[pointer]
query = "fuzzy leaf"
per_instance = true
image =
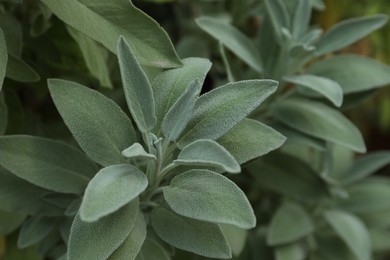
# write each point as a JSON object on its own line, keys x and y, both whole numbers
{"x": 290, "y": 223}
{"x": 209, "y": 196}
{"x": 250, "y": 139}
{"x": 98, "y": 240}
{"x": 152, "y": 250}
{"x": 100, "y": 127}
{"x": 219, "y": 110}
{"x": 10, "y": 221}
{"x": 301, "y": 20}
{"x": 353, "y": 73}
{"x": 137, "y": 88}
{"x": 319, "y": 120}
{"x": 169, "y": 85}
{"x": 34, "y": 230}
{"x": 324, "y": 86}
{"x": 233, "y": 39}
{"x": 278, "y": 15}
{"x": 3, "y": 58}
{"x": 202, "y": 238}
{"x": 137, "y": 150}
{"x": 206, "y": 152}
{"x": 352, "y": 231}
{"x": 106, "y": 21}
{"x": 110, "y": 189}
{"x": 46, "y": 163}
{"x": 348, "y": 32}
{"x": 20, "y": 71}
{"x": 180, "y": 113}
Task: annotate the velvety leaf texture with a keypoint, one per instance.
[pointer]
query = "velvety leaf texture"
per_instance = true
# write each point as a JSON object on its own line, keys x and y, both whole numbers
{"x": 209, "y": 196}
{"x": 206, "y": 152}
{"x": 46, "y": 163}
{"x": 110, "y": 189}
{"x": 100, "y": 127}
{"x": 301, "y": 20}
{"x": 98, "y": 240}
{"x": 106, "y": 21}
{"x": 219, "y": 110}
{"x": 138, "y": 91}
{"x": 137, "y": 150}
{"x": 202, "y": 238}
{"x": 3, "y": 58}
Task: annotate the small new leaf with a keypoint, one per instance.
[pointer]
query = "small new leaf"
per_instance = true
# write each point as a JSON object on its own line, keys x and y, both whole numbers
{"x": 137, "y": 150}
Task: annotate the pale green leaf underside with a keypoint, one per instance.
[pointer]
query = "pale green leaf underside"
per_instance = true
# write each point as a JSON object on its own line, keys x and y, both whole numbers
{"x": 202, "y": 238}
{"x": 97, "y": 123}
{"x": 110, "y": 189}
{"x": 98, "y": 240}
{"x": 209, "y": 196}
{"x": 106, "y": 21}
{"x": 319, "y": 120}
{"x": 137, "y": 150}
{"x": 206, "y": 152}
{"x": 233, "y": 39}
{"x": 3, "y": 58}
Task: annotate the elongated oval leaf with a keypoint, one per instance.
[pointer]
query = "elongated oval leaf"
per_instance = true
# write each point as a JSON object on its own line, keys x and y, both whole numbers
{"x": 290, "y": 223}
{"x": 152, "y": 250}
{"x": 233, "y": 39}
{"x": 180, "y": 113}
{"x": 209, "y": 196}
{"x": 353, "y": 73}
{"x": 46, "y": 163}
{"x": 98, "y": 240}
{"x": 106, "y": 21}
{"x": 13, "y": 33}
{"x": 188, "y": 234}
{"x": 3, "y": 58}
{"x": 137, "y": 88}
{"x": 219, "y": 110}
{"x": 352, "y": 231}
{"x": 20, "y": 71}
{"x": 324, "y": 86}
{"x": 34, "y": 230}
{"x": 278, "y": 15}
{"x": 110, "y": 189}
{"x": 301, "y": 20}
{"x": 10, "y": 221}
{"x": 100, "y": 127}
{"x": 205, "y": 152}
{"x": 348, "y": 32}
{"x": 319, "y": 120}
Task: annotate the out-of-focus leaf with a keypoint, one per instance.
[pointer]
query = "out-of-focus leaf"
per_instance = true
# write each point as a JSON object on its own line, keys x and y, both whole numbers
{"x": 152, "y": 250}
{"x": 301, "y": 19}
{"x": 294, "y": 251}
{"x": 34, "y": 230}
{"x": 3, "y": 115}
{"x": 236, "y": 237}
{"x": 10, "y": 221}
{"x": 279, "y": 16}
{"x": 3, "y": 58}
{"x": 20, "y": 71}
{"x": 13, "y": 34}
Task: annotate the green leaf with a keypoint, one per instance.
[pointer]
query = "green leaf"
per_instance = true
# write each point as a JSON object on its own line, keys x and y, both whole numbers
{"x": 202, "y": 238}
{"x": 278, "y": 15}
{"x": 348, "y": 32}
{"x": 137, "y": 150}
{"x": 206, "y": 152}
{"x": 98, "y": 240}
{"x": 100, "y": 127}
{"x": 353, "y": 73}
{"x": 106, "y": 21}
{"x": 111, "y": 189}
{"x": 169, "y": 85}
{"x": 20, "y": 71}
{"x": 137, "y": 88}
{"x": 250, "y": 139}
{"x": 46, "y": 163}
{"x": 319, "y": 120}
{"x": 380, "y": 240}
{"x": 324, "y": 86}
{"x": 152, "y": 250}
{"x": 133, "y": 243}
{"x": 301, "y": 20}
{"x": 290, "y": 223}
{"x": 219, "y": 110}
{"x": 3, "y": 115}
{"x": 10, "y": 221}
{"x": 3, "y": 58}
{"x": 293, "y": 251}
{"x": 13, "y": 33}
{"x": 233, "y": 39}
{"x": 209, "y": 196}
{"x": 365, "y": 166}
{"x": 180, "y": 113}
{"x": 236, "y": 237}
{"x": 34, "y": 230}
{"x": 352, "y": 231}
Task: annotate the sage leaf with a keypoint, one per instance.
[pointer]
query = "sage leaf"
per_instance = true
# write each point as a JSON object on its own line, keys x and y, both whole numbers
{"x": 13, "y": 33}
{"x": 235, "y": 236}
{"x": 250, "y": 139}
{"x": 10, "y": 221}
{"x": 293, "y": 251}
{"x": 211, "y": 197}
{"x": 352, "y": 231}
{"x": 20, "y": 71}
{"x": 351, "y": 71}
{"x": 348, "y": 32}
{"x": 98, "y": 240}
{"x": 180, "y": 113}
{"x": 233, "y": 39}
{"x": 152, "y": 250}
{"x": 219, "y": 110}
{"x": 3, "y": 115}
{"x": 137, "y": 88}
{"x": 34, "y": 230}
{"x": 110, "y": 189}
{"x": 290, "y": 223}
{"x": 169, "y": 85}
{"x": 137, "y": 150}
{"x": 278, "y": 15}
{"x": 324, "y": 86}
{"x": 148, "y": 40}
{"x": 206, "y": 152}
{"x": 319, "y": 120}
{"x": 133, "y": 243}
{"x": 202, "y": 238}
{"x": 3, "y": 58}
{"x": 99, "y": 126}
{"x": 46, "y": 163}
{"x": 301, "y": 19}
